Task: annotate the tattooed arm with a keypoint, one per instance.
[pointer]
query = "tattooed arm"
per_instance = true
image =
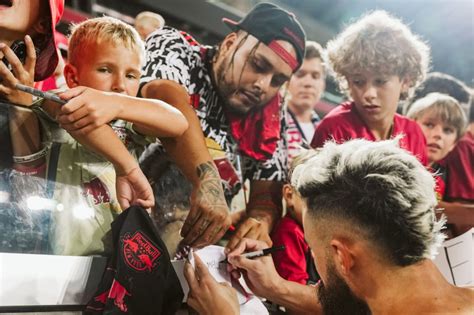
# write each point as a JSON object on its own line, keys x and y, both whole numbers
{"x": 209, "y": 216}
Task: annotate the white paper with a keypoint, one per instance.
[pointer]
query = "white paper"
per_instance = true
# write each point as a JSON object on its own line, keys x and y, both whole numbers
{"x": 459, "y": 256}
{"x": 212, "y": 256}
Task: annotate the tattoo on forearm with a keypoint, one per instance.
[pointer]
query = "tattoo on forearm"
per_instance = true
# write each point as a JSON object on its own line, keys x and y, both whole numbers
{"x": 211, "y": 186}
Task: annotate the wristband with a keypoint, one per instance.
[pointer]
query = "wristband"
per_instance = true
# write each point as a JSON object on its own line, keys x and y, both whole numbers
{"x": 30, "y": 158}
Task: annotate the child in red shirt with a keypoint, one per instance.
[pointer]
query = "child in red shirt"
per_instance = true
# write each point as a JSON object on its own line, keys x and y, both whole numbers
{"x": 377, "y": 61}
{"x": 443, "y": 123}
{"x": 295, "y": 263}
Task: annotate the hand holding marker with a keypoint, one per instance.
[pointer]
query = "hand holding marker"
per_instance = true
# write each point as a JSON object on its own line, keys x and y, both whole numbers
{"x": 46, "y": 95}
{"x": 258, "y": 253}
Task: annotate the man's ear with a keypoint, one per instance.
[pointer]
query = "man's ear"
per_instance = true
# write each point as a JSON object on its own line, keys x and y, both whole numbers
{"x": 227, "y": 43}
{"x": 406, "y": 83}
{"x": 287, "y": 193}
{"x": 343, "y": 256}
{"x": 70, "y": 74}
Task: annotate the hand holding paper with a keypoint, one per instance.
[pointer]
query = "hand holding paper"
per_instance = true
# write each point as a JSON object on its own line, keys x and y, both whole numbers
{"x": 206, "y": 295}
{"x": 210, "y": 257}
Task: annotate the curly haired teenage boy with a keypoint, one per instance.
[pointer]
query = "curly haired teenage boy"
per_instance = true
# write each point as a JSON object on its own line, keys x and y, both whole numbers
{"x": 377, "y": 61}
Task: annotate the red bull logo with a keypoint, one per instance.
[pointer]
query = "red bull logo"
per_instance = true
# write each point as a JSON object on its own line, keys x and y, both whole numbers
{"x": 117, "y": 293}
{"x": 139, "y": 252}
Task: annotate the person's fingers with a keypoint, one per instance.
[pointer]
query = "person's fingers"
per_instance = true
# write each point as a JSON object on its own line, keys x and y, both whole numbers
{"x": 4, "y": 90}
{"x": 78, "y": 120}
{"x": 242, "y": 262}
{"x": 8, "y": 79}
{"x": 220, "y": 227}
{"x": 191, "y": 220}
{"x": 30, "y": 61}
{"x": 238, "y": 216}
{"x": 17, "y": 67}
{"x": 146, "y": 203}
{"x": 252, "y": 233}
{"x": 190, "y": 276}
{"x": 242, "y": 230}
{"x": 217, "y": 233}
{"x": 214, "y": 232}
{"x": 257, "y": 233}
{"x": 72, "y": 106}
{"x": 71, "y": 93}
{"x": 202, "y": 272}
{"x": 198, "y": 232}
{"x": 247, "y": 245}
{"x": 235, "y": 274}
{"x": 264, "y": 237}
{"x": 225, "y": 284}
{"x": 123, "y": 202}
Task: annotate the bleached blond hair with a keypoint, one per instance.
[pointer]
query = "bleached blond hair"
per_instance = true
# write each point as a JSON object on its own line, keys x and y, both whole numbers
{"x": 377, "y": 188}
{"x": 380, "y": 44}
{"x": 99, "y": 30}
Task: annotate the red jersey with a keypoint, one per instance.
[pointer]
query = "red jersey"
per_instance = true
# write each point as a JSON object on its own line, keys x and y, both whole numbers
{"x": 344, "y": 123}
{"x": 293, "y": 263}
{"x": 459, "y": 166}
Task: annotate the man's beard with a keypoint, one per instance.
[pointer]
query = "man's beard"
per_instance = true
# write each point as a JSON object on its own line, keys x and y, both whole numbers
{"x": 224, "y": 88}
{"x": 227, "y": 89}
{"x": 337, "y": 298}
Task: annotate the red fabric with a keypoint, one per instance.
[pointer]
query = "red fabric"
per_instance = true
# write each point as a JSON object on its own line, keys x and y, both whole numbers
{"x": 286, "y": 56}
{"x": 31, "y": 170}
{"x": 48, "y": 57}
{"x": 343, "y": 123}
{"x": 440, "y": 188}
{"x": 290, "y": 263}
{"x": 460, "y": 169}
{"x": 47, "y": 85}
{"x": 56, "y": 8}
{"x": 61, "y": 40}
{"x": 259, "y": 132}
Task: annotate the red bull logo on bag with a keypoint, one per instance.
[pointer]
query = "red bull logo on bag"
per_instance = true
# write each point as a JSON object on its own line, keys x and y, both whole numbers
{"x": 139, "y": 252}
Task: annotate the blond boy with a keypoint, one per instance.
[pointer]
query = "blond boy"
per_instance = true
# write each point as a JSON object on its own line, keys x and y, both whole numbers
{"x": 103, "y": 113}
{"x": 377, "y": 61}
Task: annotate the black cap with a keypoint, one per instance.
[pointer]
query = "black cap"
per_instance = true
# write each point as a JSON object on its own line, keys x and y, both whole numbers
{"x": 268, "y": 23}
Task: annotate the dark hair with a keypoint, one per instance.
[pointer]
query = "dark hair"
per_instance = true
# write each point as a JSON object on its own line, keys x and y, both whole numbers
{"x": 244, "y": 35}
{"x": 443, "y": 83}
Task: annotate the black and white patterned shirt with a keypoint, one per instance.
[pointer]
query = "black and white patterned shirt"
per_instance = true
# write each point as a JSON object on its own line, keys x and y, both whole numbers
{"x": 174, "y": 55}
